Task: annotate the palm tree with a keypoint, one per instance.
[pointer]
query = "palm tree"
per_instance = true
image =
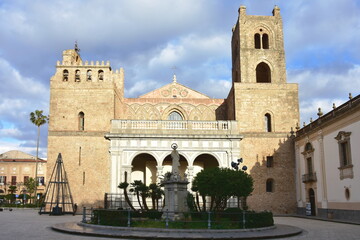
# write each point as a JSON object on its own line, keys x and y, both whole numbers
{"x": 38, "y": 119}
{"x": 136, "y": 189}
{"x": 124, "y": 186}
{"x": 12, "y": 190}
{"x": 156, "y": 194}
{"x": 144, "y": 193}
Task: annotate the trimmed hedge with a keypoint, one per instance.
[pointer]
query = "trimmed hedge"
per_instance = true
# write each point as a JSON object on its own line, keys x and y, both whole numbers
{"x": 229, "y": 219}
{"x": 120, "y": 217}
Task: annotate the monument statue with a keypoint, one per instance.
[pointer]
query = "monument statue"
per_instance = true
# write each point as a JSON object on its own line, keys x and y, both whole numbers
{"x": 175, "y": 160}
{"x": 175, "y": 190}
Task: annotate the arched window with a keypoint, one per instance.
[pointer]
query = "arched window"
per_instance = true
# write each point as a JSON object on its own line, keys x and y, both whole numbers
{"x": 88, "y": 75}
{"x": 101, "y": 75}
{"x": 270, "y": 185}
{"x": 81, "y": 118}
{"x": 265, "y": 41}
{"x": 65, "y": 75}
{"x": 77, "y": 75}
{"x": 175, "y": 116}
{"x": 267, "y": 121}
{"x": 257, "y": 41}
{"x": 263, "y": 73}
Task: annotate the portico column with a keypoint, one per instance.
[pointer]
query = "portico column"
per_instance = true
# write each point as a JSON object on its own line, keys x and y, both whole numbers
{"x": 159, "y": 173}
{"x": 323, "y": 171}
{"x": 190, "y": 175}
{"x": 127, "y": 169}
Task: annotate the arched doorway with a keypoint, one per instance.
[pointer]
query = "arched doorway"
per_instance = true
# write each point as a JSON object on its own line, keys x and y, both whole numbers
{"x": 312, "y": 202}
{"x": 144, "y": 168}
{"x": 204, "y": 161}
{"x": 167, "y": 165}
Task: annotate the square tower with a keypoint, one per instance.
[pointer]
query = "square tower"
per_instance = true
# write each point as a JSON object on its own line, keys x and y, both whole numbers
{"x": 265, "y": 107}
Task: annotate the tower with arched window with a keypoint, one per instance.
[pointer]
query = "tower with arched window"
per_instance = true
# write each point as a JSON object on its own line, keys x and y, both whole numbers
{"x": 264, "y": 104}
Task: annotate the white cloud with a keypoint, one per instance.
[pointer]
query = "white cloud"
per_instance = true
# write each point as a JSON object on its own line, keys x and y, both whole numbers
{"x": 148, "y": 38}
{"x": 219, "y": 88}
{"x": 192, "y": 50}
{"x": 142, "y": 87}
{"x": 14, "y": 82}
{"x": 321, "y": 88}
{"x": 10, "y": 133}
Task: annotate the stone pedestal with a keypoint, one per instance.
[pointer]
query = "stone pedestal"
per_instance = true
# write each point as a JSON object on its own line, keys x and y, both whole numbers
{"x": 175, "y": 198}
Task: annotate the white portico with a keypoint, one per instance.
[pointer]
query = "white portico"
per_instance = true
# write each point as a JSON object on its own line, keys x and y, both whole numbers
{"x": 140, "y": 150}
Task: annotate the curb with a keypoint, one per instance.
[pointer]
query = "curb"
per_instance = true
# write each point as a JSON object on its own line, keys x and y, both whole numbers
{"x": 156, "y": 233}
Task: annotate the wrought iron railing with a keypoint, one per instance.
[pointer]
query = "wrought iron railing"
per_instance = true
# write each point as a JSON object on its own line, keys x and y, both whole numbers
{"x": 309, "y": 177}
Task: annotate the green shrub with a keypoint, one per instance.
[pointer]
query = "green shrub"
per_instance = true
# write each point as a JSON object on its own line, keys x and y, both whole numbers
{"x": 110, "y": 217}
{"x": 261, "y": 219}
{"x": 229, "y": 219}
{"x": 153, "y": 214}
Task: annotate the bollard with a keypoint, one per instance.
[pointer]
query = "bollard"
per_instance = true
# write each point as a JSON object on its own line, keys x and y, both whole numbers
{"x": 129, "y": 220}
{"x": 209, "y": 220}
{"x": 167, "y": 218}
{"x": 84, "y": 215}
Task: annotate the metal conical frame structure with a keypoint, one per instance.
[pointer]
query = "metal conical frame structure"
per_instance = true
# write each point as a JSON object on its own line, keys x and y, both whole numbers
{"x": 58, "y": 199}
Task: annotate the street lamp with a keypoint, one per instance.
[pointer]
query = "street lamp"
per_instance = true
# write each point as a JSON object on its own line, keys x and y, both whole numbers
{"x": 235, "y": 165}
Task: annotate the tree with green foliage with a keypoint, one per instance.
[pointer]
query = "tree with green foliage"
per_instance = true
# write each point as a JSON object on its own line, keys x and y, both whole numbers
{"x": 38, "y": 119}
{"x": 11, "y": 196}
{"x": 222, "y": 183}
{"x": 155, "y": 193}
{"x": 124, "y": 186}
{"x": 12, "y": 189}
{"x": 144, "y": 193}
{"x": 24, "y": 197}
{"x": 136, "y": 188}
{"x": 31, "y": 185}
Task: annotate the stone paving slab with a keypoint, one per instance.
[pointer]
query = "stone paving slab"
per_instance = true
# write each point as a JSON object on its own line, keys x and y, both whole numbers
{"x": 279, "y": 230}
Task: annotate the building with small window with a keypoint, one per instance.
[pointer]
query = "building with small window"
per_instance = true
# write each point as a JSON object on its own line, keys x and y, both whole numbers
{"x": 17, "y": 167}
{"x": 106, "y": 138}
{"x": 328, "y": 163}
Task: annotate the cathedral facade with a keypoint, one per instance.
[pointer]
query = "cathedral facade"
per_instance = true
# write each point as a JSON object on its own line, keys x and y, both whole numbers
{"x": 106, "y": 139}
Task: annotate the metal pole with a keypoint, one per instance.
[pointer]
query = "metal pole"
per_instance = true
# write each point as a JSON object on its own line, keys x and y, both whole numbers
{"x": 84, "y": 215}
{"x": 209, "y": 220}
{"x": 36, "y": 165}
{"x": 244, "y": 220}
{"x": 167, "y": 218}
{"x": 129, "y": 221}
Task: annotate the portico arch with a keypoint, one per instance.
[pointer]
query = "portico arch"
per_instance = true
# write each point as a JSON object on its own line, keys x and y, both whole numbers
{"x": 204, "y": 161}
{"x": 144, "y": 168}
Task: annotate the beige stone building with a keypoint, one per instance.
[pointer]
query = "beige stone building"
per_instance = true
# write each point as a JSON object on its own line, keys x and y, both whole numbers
{"x": 17, "y": 167}
{"x": 106, "y": 138}
{"x": 327, "y": 164}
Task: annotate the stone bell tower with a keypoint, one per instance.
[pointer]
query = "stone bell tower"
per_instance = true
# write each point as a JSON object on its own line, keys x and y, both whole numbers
{"x": 266, "y": 108}
{"x": 258, "y": 48}
{"x": 84, "y": 97}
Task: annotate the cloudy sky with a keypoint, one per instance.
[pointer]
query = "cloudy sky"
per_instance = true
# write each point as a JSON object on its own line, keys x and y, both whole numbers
{"x": 148, "y": 37}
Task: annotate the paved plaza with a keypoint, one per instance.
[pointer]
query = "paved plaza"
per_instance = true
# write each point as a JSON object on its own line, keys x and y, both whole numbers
{"x": 28, "y": 225}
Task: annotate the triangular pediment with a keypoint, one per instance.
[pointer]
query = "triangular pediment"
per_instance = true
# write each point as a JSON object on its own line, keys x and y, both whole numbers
{"x": 174, "y": 90}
